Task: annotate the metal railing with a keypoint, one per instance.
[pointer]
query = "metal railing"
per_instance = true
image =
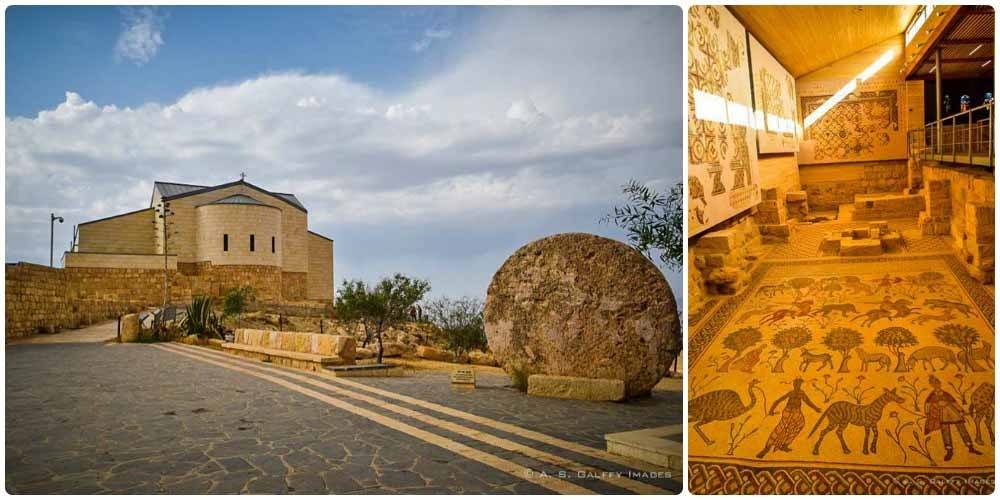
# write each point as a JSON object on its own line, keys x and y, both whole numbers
{"x": 965, "y": 138}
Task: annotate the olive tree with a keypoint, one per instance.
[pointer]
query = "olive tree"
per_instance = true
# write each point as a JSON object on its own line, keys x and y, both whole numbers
{"x": 379, "y": 307}
{"x": 843, "y": 340}
{"x": 896, "y": 338}
{"x": 653, "y": 221}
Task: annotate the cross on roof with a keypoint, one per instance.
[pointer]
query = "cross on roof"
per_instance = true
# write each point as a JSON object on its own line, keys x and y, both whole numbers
{"x": 243, "y": 175}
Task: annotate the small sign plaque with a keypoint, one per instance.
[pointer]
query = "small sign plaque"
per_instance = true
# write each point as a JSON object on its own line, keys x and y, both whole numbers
{"x": 463, "y": 376}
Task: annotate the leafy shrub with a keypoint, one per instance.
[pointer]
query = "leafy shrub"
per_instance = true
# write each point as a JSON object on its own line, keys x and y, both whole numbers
{"x": 201, "y": 320}
{"x": 460, "y": 322}
{"x": 236, "y": 300}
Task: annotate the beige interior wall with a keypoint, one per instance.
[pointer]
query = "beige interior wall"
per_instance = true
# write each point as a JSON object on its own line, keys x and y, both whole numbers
{"x": 320, "y": 276}
{"x": 128, "y": 233}
{"x": 779, "y": 171}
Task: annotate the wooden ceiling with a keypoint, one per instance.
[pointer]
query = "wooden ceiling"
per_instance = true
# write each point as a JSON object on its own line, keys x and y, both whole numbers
{"x": 806, "y": 38}
{"x": 967, "y": 46}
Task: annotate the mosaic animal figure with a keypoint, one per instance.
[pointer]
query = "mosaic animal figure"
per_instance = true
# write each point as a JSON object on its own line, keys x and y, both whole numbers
{"x": 901, "y": 307}
{"x": 856, "y": 286}
{"x": 981, "y": 408}
{"x": 770, "y": 291}
{"x": 882, "y": 360}
{"x": 927, "y": 355}
{"x": 961, "y": 307}
{"x": 843, "y": 413}
{"x": 748, "y": 361}
{"x": 983, "y": 353}
{"x": 946, "y": 315}
{"x": 872, "y": 316}
{"x": 719, "y": 406}
{"x": 798, "y": 309}
{"x": 823, "y": 359}
{"x": 827, "y": 309}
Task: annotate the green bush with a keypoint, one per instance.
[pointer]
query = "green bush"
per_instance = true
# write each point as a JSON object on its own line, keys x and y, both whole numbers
{"x": 236, "y": 300}
{"x": 201, "y": 320}
{"x": 460, "y": 322}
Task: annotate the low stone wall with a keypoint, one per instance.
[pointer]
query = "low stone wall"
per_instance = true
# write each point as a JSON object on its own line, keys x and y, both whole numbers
{"x": 41, "y": 299}
{"x": 830, "y": 186}
{"x": 888, "y": 206}
{"x": 963, "y": 200}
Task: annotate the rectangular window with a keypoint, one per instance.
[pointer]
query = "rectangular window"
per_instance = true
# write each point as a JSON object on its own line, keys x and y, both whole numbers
{"x": 225, "y": 243}
{"x": 251, "y": 242}
{"x": 272, "y": 244}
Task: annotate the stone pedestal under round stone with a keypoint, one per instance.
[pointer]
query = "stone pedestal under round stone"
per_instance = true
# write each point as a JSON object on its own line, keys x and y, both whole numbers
{"x": 579, "y": 305}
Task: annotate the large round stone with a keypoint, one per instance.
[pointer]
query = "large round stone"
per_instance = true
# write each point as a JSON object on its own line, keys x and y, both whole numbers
{"x": 581, "y": 305}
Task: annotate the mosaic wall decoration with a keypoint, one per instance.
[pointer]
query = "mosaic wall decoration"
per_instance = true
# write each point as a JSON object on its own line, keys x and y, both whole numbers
{"x": 774, "y": 100}
{"x": 723, "y": 177}
{"x": 862, "y": 377}
{"x": 864, "y": 126}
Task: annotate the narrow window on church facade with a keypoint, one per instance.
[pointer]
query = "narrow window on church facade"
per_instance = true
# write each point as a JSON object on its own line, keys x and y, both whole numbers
{"x": 251, "y": 242}
{"x": 272, "y": 244}
{"x": 225, "y": 243}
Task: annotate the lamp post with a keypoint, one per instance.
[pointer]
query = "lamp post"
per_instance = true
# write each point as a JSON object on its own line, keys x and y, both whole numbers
{"x": 52, "y": 233}
{"x": 163, "y": 211}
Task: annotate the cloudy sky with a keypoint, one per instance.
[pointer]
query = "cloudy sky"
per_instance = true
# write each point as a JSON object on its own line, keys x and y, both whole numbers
{"x": 428, "y": 141}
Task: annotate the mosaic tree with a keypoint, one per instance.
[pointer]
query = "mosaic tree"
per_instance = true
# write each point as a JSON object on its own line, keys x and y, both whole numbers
{"x": 739, "y": 341}
{"x": 896, "y": 338}
{"x": 962, "y": 337}
{"x": 786, "y": 340}
{"x": 843, "y": 340}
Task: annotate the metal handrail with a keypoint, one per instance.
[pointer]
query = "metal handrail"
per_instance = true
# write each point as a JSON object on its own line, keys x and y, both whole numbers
{"x": 959, "y": 138}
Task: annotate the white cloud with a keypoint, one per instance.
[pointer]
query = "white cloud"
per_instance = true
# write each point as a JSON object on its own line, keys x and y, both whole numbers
{"x": 452, "y": 174}
{"x": 429, "y": 37}
{"x": 141, "y": 36}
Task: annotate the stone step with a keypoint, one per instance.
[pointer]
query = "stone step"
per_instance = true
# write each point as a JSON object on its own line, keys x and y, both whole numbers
{"x": 658, "y": 445}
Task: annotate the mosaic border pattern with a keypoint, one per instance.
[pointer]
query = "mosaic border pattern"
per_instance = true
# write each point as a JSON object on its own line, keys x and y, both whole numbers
{"x": 734, "y": 479}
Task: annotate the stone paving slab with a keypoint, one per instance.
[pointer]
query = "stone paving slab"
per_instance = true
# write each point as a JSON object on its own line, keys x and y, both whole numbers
{"x": 136, "y": 419}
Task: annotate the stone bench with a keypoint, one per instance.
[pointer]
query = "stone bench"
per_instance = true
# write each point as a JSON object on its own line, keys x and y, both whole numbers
{"x": 307, "y": 351}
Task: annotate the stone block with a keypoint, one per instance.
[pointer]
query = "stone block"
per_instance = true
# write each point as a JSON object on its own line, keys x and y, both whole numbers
{"x": 580, "y": 388}
{"x": 830, "y": 244}
{"x": 130, "y": 328}
{"x": 434, "y": 354}
{"x": 892, "y": 241}
{"x": 863, "y": 247}
{"x": 796, "y": 196}
{"x": 772, "y": 194}
{"x": 718, "y": 241}
{"x": 481, "y": 358}
{"x": 881, "y": 227}
{"x": 776, "y": 230}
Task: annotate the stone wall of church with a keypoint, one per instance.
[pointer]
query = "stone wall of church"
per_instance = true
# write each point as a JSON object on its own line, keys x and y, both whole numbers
{"x": 962, "y": 200}
{"x": 320, "y": 279}
{"x": 131, "y": 233}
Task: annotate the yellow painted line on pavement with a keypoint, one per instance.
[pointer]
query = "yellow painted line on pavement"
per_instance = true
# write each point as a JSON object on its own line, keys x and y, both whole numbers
{"x": 547, "y": 481}
{"x": 582, "y": 449}
{"x": 616, "y": 478}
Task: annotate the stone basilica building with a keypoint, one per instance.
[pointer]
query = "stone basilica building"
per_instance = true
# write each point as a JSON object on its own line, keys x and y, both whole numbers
{"x": 217, "y": 237}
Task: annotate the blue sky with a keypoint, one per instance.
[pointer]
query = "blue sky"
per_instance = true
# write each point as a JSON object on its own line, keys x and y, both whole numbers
{"x": 429, "y": 141}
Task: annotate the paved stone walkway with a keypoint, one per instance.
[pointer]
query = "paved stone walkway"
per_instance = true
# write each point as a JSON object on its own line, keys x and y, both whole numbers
{"x": 90, "y": 418}
{"x": 98, "y": 333}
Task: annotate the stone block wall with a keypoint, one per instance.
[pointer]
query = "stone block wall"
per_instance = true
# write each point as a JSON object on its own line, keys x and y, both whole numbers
{"x": 40, "y": 299}
{"x": 936, "y": 218}
{"x": 294, "y": 286}
{"x": 239, "y": 222}
{"x": 132, "y": 232}
{"x": 829, "y": 186}
{"x": 320, "y": 279}
{"x": 723, "y": 257}
{"x": 889, "y": 206}
{"x": 972, "y": 196}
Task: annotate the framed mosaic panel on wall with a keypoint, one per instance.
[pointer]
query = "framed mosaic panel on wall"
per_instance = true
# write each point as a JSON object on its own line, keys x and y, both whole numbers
{"x": 775, "y": 108}
{"x": 865, "y": 126}
{"x": 723, "y": 176}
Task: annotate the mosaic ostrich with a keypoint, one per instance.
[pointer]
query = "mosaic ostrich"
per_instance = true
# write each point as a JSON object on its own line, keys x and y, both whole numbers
{"x": 718, "y": 406}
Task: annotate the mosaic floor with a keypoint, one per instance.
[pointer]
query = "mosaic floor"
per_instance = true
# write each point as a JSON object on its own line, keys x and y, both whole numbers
{"x": 835, "y": 376}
